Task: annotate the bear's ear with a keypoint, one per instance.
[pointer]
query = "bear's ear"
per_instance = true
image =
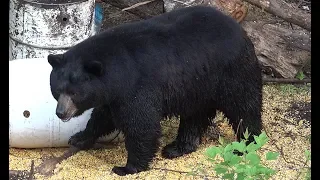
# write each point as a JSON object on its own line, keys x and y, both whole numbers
{"x": 55, "y": 59}
{"x": 94, "y": 67}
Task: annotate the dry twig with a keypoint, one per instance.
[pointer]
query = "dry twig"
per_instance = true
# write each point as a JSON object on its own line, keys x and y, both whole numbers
{"x": 137, "y": 5}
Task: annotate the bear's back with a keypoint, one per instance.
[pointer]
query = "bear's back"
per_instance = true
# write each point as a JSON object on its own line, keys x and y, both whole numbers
{"x": 192, "y": 24}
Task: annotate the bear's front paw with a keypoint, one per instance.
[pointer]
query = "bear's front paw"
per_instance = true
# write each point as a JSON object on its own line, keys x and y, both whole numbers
{"x": 81, "y": 140}
{"x": 171, "y": 151}
{"x": 122, "y": 171}
{"x": 175, "y": 150}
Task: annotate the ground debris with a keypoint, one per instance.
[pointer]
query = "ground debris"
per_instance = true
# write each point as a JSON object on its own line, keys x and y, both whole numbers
{"x": 286, "y": 137}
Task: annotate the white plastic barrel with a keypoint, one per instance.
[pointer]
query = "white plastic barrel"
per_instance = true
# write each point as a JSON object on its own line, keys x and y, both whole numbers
{"x": 37, "y": 28}
{"x": 32, "y": 119}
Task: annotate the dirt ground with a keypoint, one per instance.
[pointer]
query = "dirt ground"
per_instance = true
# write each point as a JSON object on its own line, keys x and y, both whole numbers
{"x": 286, "y": 119}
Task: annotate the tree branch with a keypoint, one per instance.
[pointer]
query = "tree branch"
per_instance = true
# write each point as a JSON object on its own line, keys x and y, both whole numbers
{"x": 286, "y": 81}
{"x": 283, "y": 10}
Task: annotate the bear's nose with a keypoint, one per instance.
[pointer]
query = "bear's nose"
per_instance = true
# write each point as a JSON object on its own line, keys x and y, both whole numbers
{"x": 60, "y": 114}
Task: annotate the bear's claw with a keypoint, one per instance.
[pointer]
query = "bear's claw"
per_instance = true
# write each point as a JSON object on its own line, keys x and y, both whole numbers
{"x": 175, "y": 150}
{"x": 81, "y": 140}
{"x": 122, "y": 171}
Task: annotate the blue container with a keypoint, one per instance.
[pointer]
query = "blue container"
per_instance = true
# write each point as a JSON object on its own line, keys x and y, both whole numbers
{"x": 98, "y": 17}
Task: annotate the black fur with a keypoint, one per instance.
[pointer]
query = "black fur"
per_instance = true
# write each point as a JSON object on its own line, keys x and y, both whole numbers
{"x": 189, "y": 62}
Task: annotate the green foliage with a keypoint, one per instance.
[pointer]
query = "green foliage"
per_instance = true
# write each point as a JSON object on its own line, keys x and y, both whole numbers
{"x": 307, "y": 154}
{"x": 308, "y": 174}
{"x": 293, "y": 89}
{"x": 231, "y": 166}
{"x": 300, "y": 75}
{"x": 272, "y": 156}
{"x": 241, "y": 167}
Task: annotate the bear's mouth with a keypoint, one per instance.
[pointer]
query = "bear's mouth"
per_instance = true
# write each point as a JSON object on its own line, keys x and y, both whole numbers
{"x": 68, "y": 117}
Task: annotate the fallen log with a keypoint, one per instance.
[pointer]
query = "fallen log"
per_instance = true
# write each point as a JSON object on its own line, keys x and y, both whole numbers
{"x": 298, "y": 40}
{"x": 47, "y": 167}
{"x": 281, "y": 50}
{"x": 277, "y": 47}
{"x": 283, "y": 10}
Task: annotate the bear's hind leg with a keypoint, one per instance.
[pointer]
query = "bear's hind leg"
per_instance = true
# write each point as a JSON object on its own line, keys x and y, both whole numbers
{"x": 190, "y": 131}
{"x": 246, "y": 116}
{"x": 99, "y": 124}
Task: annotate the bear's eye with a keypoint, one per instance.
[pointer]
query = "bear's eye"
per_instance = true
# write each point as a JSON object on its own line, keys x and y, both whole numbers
{"x": 71, "y": 92}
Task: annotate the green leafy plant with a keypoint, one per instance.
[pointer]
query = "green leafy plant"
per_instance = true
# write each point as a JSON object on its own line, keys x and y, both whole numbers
{"x": 242, "y": 167}
{"x": 307, "y": 154}
{"x": 300, "y": 75}
{"x": 293, "y": 89}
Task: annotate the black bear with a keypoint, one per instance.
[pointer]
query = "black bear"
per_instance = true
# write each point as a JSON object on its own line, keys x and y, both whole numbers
{"x": 189, "y": 63}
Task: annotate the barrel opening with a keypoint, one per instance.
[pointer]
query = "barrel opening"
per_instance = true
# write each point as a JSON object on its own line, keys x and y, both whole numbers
{"x": 26, "y": 113}
{"x": 64, "y": 19}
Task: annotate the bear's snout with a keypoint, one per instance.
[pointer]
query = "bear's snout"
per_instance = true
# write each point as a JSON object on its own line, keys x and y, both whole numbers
{"x": 66, "y": 109}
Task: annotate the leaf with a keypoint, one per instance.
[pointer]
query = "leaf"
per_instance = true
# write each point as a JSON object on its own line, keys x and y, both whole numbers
{"x": 240, "y": 146}
{"x": 300, "y": 75}
{"x": 252, "y": 147}
{"x": 257, "y": 140}
{"x": 234, "y": 160}
{"x": 213, "y": 151}
{"x": 251, "y": 170}
{"x": 253, "y": 158}
{"x": 263, "y": 136}
{"x": 221, "y": 140}
{"x": 240, "y": 168}
{"x": 246, "y": 134}
{"x": 220, "y": 169}
{"x": 248, "y": 178}
{"x": 308, "y": 174}
{"x": 228, "y": 176}
{"x": 272, "y": 155}
{"x": 228, "y": 148}
{"x": 264, "y": 170}
{"x": 227, "y": 156}
{"x": 307, "y": 154}
{"x": 224, "y": 163}
{"x": 240, "y": 176}
{"x": 261, "y": 139}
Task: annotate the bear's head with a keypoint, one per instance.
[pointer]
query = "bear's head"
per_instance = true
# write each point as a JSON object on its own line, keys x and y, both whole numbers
{"x": 75, "y": 84}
